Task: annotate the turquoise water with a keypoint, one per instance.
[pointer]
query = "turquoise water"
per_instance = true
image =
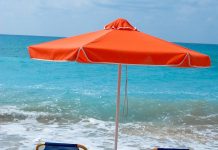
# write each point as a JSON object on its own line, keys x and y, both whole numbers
{"x": 49, "y": 100}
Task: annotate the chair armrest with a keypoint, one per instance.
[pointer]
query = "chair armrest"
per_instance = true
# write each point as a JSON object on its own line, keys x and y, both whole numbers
{"x": 39, "y": 145}
{"x": 82, "y": 146}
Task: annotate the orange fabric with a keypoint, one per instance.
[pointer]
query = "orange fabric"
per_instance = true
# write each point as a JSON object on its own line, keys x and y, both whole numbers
{"x": 120, "y": 24}
{"x": 121, "y": 43}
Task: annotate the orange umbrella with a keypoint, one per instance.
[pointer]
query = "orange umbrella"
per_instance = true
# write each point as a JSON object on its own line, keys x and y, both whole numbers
{"x": 119, "y": 43}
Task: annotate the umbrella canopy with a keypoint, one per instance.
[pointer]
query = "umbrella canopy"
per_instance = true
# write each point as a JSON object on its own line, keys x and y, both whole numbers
{"x": 119, "y": 43}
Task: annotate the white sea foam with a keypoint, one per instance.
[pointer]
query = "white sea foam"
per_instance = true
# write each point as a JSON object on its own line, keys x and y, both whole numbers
{"x": 97, "y": 134}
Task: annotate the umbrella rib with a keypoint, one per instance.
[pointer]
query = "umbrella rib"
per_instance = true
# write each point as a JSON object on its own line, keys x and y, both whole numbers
{"x": 87, "y": 58}
{"x": 82, "y": 49}
{"x": 189, "y": 63}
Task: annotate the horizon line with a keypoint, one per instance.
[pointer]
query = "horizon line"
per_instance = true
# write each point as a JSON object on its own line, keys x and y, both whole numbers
{"x": 79, "y": 34}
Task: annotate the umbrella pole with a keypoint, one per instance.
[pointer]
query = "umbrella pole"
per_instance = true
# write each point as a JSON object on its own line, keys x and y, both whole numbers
{"x": 117, "y": 107}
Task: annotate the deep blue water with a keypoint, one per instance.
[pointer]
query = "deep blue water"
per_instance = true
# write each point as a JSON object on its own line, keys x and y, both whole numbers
{"x": 52, "y": 92}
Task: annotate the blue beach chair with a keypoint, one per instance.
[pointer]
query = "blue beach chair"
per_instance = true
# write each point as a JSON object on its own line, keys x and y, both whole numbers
{"x": 60, "y": 146}
{"x": 171, "y": 149}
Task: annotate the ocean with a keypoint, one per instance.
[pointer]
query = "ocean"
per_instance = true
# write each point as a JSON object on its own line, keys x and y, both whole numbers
{"x": 72, "y": 102}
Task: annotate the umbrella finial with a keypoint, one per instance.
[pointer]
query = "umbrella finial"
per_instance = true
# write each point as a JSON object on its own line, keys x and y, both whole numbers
{"x": 120, "y": 24}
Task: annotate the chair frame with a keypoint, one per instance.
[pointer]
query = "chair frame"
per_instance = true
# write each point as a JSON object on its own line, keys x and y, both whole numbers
{"x": 78, "y": 145}
{"x": 156, "y": 148}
